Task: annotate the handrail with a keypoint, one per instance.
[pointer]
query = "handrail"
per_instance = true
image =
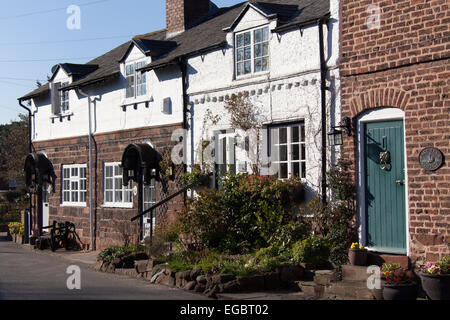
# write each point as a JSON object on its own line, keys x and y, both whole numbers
{"x": 156, "y": 205}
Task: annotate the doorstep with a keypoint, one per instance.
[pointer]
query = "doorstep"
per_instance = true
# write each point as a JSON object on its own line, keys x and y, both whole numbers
{"x": 378, "y": 259}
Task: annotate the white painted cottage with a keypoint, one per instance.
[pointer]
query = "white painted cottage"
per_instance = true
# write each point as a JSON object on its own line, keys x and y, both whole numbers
{"x": 100, "y": 130}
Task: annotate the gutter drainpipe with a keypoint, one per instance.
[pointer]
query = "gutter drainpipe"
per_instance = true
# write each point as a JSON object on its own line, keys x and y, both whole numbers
{"x": 323, "y": 88}
{"x": 30, "y": 150}
{"x": 91, "y": 223}
{"x": 183, "y": 67}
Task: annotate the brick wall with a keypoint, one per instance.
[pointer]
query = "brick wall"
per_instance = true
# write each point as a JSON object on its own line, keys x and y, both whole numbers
{"x": 405, "y": 64}
{"x": 181, "y": 13}
{"x": 108, "y": 148}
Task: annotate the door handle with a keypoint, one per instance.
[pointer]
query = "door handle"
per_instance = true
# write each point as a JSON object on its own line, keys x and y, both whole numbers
{"x": 400, "y": 182}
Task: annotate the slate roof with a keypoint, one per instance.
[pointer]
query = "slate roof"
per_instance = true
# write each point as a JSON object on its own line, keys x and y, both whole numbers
{"x": 206, "y": 34}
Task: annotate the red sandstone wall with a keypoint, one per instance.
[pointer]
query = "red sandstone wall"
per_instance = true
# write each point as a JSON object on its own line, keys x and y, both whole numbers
{"x": 109, "y": 148}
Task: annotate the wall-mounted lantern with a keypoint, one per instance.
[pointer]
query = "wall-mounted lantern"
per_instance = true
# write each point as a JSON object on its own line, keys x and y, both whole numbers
{"x": 335, "y": 136}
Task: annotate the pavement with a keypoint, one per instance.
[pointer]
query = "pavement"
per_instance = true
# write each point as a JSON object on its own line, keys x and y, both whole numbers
{"x": 88, "y": 259}
{"x": 41, "y": 275}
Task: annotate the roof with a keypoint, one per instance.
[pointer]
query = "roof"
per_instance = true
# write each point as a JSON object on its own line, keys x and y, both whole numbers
{"x": 207, "y": 34}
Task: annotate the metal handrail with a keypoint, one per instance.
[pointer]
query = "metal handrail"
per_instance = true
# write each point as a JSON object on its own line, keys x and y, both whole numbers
{"x": 153, "y": 207}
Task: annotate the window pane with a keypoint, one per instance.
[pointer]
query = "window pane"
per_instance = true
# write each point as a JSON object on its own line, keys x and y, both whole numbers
{"x": 303, "y": 170}
{"x": 283, "y": 135}
{"x": 295, "y": 152}
{"x": 258, "y": 35}
{"x": 247, "y": 53}
{"x": 265, "y": 64}
{"x": 265, "y": 34}
{"x": 295, "y": 134}
{"x": 247, "y": 67}
{"x": 303, "y": 152}
{"x": 239, "y": 40}
{"x": 240, "y": 68}
{"x": 283, "y": 171}
{"x": 265, "y": 49}
{"x": 283, "y": 153}
{"x": 108, "y": 196}
{"x": 258, "y": 65}
{"x": 240, "y": 55}
{"x": 247, "y": 38}
{"x": 296, "y": 169}
{"x": 302, "y": 133}
{"x": 258, "y": 50}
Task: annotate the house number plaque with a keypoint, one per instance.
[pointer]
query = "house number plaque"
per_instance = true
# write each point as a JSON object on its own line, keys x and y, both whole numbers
{"x": 431, "y": 159}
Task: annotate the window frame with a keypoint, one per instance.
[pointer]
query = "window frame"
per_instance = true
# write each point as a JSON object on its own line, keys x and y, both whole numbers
{"x": 113, "y": 189}
{"x": 252, "y": 46}
{"x": 71, "y": 180}
{"x": 302, "y": 156}
{"x": 64, "y": 99}
{"x": 139, "y": 80}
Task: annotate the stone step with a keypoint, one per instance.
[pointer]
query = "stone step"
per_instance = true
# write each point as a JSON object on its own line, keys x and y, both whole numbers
{"x": 378, "y": 259}
{"x": 351, "y": 290}
{"x": 354, "y": 273}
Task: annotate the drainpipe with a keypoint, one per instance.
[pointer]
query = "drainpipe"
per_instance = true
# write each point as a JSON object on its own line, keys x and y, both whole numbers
{"x": 91, "y": 223}
{"x": 323, "y": 88}
{"x": 30, "y": 150}
{"x": 183, "y": 66}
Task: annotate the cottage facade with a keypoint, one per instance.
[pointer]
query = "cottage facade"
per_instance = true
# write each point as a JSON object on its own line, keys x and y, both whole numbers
{"x": 105, "y": 127}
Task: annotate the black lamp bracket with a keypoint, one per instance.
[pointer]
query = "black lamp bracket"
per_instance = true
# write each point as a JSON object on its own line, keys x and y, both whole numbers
{"x": 347, "y": 126}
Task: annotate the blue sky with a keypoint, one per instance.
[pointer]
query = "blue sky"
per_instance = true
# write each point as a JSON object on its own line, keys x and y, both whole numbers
{"x": 35, "y": 37}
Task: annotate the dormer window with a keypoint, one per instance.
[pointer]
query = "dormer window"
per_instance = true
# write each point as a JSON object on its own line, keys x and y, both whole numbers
{"x": 60, "y": 99}
{"x": 252, "y": 51}
{"x": 64, "y": 98}
{"x": 136, "y": 80}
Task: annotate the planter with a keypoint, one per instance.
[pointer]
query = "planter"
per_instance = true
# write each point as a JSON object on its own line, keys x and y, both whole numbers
{"x": 400, "y": 291}
{"x": 357, "y": 257}
{"x": 437, "y": 287}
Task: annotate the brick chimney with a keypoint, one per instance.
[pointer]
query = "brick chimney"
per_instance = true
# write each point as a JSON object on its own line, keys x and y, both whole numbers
{"x": 181, "y": 13}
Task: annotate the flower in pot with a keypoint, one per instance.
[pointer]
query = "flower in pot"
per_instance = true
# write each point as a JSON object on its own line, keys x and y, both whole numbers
{"x": 357, "y": 255}
{"x": 400, "y": 284}
{"x": 435, "y": 279}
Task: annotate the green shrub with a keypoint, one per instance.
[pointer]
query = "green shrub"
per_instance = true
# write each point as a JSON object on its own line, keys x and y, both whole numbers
{"x": 110, "y": 254}
{"x": 288, "y": 234}
{"x": 314, "y": 249}
{"x": 243, "y": 214}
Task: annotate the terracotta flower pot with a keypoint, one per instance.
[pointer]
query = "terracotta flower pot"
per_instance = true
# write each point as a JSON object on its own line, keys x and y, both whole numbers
{"x": 436, "y": 286}
{"x": 357, "y": 257}
{"x": 400, "y": 291}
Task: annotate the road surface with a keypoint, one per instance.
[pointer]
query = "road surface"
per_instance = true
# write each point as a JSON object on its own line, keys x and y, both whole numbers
{"x": 29, "y": 275}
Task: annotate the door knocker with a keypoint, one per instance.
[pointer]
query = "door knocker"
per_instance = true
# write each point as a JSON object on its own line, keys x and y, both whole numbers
{"x": 385, "y": 160}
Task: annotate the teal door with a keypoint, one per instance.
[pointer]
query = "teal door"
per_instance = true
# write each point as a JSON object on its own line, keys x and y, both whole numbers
{"x": 385, "y": 187}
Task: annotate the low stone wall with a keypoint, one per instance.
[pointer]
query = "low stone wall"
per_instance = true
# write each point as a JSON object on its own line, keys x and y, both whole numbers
{"x": 209, "y": 284}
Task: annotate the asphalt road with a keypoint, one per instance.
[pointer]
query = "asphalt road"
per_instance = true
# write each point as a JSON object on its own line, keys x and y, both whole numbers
{"x": 28, "y": 275}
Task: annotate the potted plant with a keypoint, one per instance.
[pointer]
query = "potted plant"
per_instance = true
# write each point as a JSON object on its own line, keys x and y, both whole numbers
{"x": 435, "y": 279}
{"x": 357, "y": 255}
{"x": 400, "y": 284}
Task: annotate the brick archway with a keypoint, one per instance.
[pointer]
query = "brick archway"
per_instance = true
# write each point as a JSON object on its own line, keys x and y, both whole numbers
{"x": 376, "y": 98}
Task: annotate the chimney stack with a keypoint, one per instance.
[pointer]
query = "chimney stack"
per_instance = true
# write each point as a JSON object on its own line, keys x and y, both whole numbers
{"x": 181, "y": 13}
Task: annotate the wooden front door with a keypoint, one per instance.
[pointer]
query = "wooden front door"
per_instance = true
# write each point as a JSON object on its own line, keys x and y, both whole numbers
{"x": 385, "y": 186}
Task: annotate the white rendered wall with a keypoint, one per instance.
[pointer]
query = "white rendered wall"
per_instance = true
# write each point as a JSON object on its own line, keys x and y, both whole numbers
{"x": 290, "y": 91}
{"x": 107, "y": 111}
